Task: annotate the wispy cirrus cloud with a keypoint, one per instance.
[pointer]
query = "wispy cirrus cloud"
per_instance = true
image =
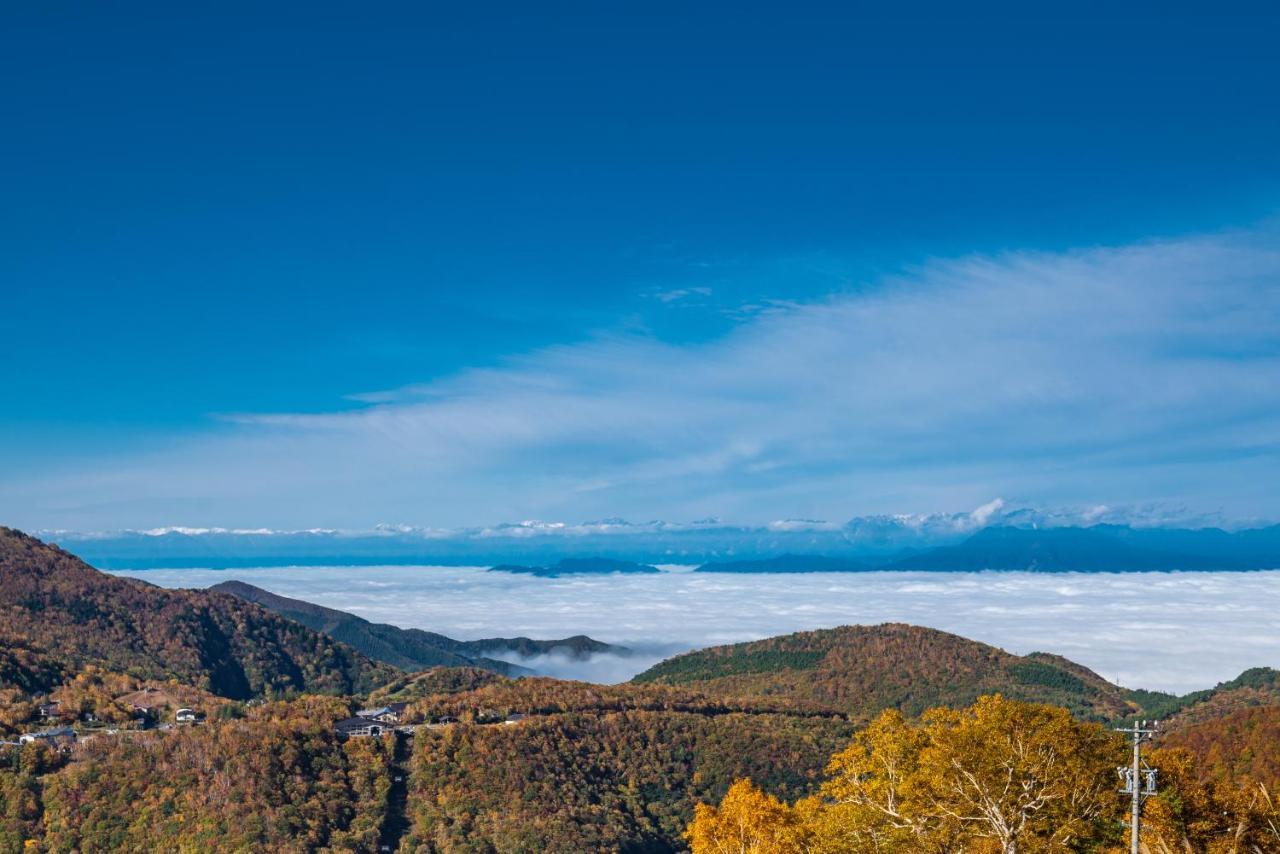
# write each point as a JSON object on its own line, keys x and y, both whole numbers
{"x": 1145, "y": 373}
{"x": 670, "y": 295}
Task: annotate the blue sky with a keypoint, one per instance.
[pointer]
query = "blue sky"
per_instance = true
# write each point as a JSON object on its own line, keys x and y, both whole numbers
{"x": 331, "y": 265}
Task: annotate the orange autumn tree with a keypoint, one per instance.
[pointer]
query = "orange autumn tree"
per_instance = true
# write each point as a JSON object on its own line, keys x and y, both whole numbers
{"x": 999, "y": 776}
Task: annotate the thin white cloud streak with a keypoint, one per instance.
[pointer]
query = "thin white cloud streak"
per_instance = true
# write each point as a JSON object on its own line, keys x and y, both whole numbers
{"x": 1169, "y": 631}
{"x": 1144, "y": 373}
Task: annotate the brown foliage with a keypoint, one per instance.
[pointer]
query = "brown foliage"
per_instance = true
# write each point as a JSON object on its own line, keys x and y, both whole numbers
{"x": 1240, "y": 748}
{"x": 861, "y": 670}
{"x": 587, "y": 782}
{"x": 276, "y": 781}
{"x": 69, "y": 615}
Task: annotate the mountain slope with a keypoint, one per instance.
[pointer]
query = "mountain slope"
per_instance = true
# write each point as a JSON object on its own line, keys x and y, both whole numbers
{"x": 68, "y": 614}
{"x": 863, "y": 669}
{"x": 412, "y": 649}
{"x": 409, "y": 649}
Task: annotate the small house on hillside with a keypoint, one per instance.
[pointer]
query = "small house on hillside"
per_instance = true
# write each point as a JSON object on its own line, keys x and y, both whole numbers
{"x": 148, "y": 701}
{"x": 359, "y": 727}
{"x": 49, "y": 710}
{"x": 388, "y": 714}
{"x": 186, "y": 716}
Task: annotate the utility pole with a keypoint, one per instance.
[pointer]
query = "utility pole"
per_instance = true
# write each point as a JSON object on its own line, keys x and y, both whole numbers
{"x": 1139, "y": 779}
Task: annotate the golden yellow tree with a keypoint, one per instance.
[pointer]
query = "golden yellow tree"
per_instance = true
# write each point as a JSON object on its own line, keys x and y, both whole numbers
{"x": 1001, "y": 776}
{"x": 870, "y": 801}
{"x": 1024, "y": 776}
{"x": 748, "y": 821}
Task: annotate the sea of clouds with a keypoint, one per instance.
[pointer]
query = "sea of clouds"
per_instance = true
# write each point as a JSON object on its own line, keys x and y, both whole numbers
{"x": 1168, "y": 631}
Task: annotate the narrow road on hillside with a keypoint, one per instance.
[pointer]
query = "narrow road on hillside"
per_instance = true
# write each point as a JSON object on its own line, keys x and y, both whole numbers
{"x": 396, "y": 823}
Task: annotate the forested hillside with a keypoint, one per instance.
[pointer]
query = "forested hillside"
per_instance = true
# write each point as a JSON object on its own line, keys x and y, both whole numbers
{"x": 1240, "y": 746}
{"x": 62, "y": 614}
{"x": 1258, "y": 686}
{"x": 278, "y": 780}
{"x": 582, "y": 768}
{"x": 408, "y": 649}
{"x": 588, "y": 782}
{"x": 862, "y": 670}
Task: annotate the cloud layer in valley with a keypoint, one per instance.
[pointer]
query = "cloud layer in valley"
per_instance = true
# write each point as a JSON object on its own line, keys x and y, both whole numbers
{"x": 1117, "y": 375}
{"x": 1172, "y": 631}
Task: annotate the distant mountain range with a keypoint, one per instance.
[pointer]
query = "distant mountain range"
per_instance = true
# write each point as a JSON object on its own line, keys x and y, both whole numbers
{"x": 991, "y": 537}
{"x": 1101, "y": 548}
{"x": 415, "y": 649}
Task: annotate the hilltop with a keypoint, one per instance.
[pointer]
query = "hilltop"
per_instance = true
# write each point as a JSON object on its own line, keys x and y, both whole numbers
{"x": 861, "y": 670}
{"x": 59, "y": 614}
{"x": 413, "y": 649}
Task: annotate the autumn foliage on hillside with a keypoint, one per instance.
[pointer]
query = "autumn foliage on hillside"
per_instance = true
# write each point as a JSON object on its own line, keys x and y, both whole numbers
{"x": 432, "y": 682}
{"x": 584, "y": 782}
{"x": 64, "y": 615}
{"x": 1241, "y": 747}
{"x": 278, "y": 780}
{"x": 861, "y": 670}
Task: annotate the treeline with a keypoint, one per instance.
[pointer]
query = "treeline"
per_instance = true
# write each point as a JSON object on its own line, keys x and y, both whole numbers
{"x": 1000, "y": 776}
